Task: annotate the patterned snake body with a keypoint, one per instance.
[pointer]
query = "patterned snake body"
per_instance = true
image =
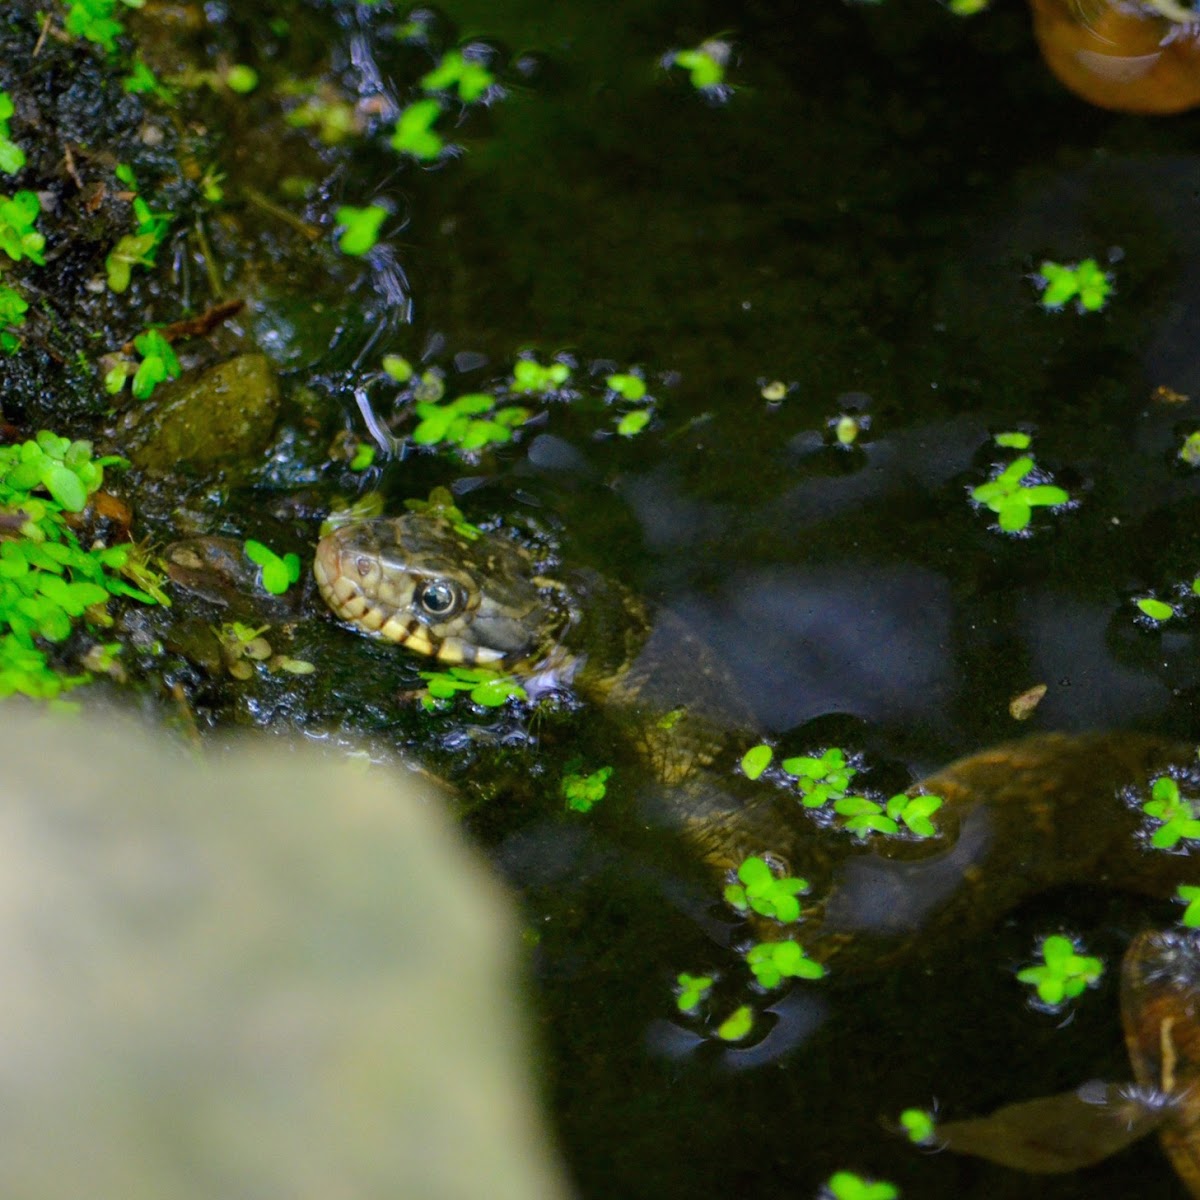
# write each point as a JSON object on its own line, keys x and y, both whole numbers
{"x": 1019, "y": 818}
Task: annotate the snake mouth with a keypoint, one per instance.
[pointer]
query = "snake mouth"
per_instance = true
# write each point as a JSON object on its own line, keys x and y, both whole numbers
{"x": 376, "y": 598}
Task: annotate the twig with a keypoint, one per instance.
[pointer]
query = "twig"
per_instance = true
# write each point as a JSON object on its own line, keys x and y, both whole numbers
{"x": 37, "y": 49}
{"x": 199, "y": 326}
{"x": 210, "y": 266}
{"x": 69, "y": 161}
{"x": 301, "y": 226}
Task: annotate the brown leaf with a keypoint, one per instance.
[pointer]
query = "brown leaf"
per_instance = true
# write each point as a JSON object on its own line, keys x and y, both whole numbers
{"x": 1055, "y": 1134}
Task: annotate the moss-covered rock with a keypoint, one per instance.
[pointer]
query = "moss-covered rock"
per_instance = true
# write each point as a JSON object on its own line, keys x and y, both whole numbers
{"x": 225, "y": 414}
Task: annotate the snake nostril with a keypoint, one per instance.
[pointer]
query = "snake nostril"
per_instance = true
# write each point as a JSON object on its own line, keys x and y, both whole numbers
{"x": 363, "y": 565}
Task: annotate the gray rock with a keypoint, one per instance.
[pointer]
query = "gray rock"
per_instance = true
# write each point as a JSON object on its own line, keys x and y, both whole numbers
{"x": 272, "y": 975}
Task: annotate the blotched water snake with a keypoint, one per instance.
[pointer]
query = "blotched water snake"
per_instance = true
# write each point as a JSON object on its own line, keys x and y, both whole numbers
{"x": 1019, "y": 818}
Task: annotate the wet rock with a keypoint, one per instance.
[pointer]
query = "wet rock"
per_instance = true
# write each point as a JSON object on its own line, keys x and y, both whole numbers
{"x": 223, "y": 415}
{"x": 218, "y": 570}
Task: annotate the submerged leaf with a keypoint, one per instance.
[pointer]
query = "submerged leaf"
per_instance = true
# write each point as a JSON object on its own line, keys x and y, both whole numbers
{"x": 1056, "y": 1134}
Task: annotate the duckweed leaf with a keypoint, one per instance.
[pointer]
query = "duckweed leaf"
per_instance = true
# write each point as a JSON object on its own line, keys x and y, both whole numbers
{"x": 692, "y": 991}
{"x": 630, "y": 387}
{"x": 915, "y": 812}
{"x": 756, "y": 760}
{"x": 1063, "y": 974}
{"x": 277, "y": 574}
{"x": 864, "y": 816}
{"x": 1155, "y": 609}
{"x": 737, "y": 1025}
{"x": 400, "y": 369}
{"x": 48, "y": 582}
{"x": 529, "y": 375}
{"x": 1083, "y": 282}
{"x": 456, "y": 71}
{"x": 820, "y": 778}
{"x": 773, "y": 962}
{"x": 1176, "y": 816}
{"x": 360, "y": 227}
{"x": 760, "y": 890}
{"x": 632, "y": 423}
{"x": 18, "y": 238}
{"x": 1011, "y": 500}
{"x": 1014, "y": 440}
{"x": 583, "y": 792}
{"x": 845, "y": 1185}
{"x": 414, "y": 130}
{"x": 65, "y": 486}
{"x": 918, "y": 1125}
{"x": 1190, "y": 895}
{"x": 488, "y": 688}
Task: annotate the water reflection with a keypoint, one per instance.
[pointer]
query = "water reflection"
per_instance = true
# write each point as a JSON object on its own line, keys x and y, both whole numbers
{"x": 871, "y": 641}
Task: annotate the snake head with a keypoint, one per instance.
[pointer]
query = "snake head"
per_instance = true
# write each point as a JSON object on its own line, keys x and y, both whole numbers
{"x": 415, "y": 581}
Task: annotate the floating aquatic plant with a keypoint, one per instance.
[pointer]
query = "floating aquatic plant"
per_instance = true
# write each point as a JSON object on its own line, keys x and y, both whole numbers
{"x": 759, "y": 889}
{"x": 1063, "y": 973}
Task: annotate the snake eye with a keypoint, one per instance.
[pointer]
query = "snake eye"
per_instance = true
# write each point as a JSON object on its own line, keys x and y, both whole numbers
{"x": 439, "y": 598}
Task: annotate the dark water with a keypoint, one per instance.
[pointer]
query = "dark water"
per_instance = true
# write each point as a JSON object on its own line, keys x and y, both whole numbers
{"x": 859, "y": 219}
